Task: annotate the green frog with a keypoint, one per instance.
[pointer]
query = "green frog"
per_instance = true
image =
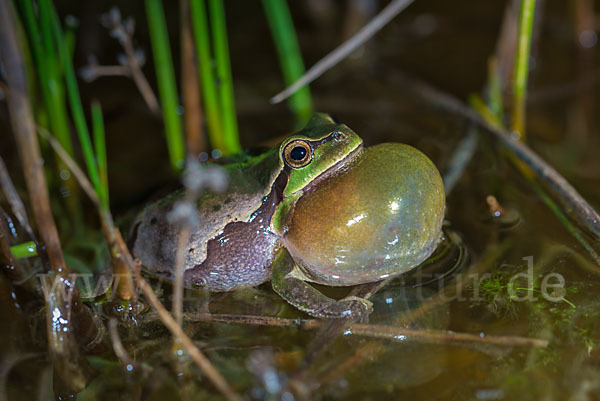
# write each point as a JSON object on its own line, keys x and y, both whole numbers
{"x": 318, "y": 208}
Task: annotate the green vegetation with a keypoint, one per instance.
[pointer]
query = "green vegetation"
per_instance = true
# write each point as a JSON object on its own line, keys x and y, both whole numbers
{"x": 290, "y": 58}
{"x": 163, "y": 62}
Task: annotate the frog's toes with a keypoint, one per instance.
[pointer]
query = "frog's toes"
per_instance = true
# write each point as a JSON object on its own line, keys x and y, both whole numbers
{"x": 354, "y": 308}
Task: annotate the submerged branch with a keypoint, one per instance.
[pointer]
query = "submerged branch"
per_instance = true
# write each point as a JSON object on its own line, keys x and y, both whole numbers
{"x": 395, "y": 333}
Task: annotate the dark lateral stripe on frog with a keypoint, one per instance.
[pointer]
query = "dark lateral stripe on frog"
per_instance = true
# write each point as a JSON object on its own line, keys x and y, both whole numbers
{"x": 243, "y": 252}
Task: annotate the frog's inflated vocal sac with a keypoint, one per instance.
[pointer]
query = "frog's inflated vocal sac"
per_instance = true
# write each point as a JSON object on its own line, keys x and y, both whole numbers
{"x": 318, "y": 208}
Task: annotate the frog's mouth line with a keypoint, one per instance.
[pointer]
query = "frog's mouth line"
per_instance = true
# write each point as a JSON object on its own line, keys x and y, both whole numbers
{"x": 338, "y": 168}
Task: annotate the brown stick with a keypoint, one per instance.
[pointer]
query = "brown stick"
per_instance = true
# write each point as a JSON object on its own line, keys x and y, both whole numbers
{"x": 400, "y": 334}
{"x": 190, "y": 85}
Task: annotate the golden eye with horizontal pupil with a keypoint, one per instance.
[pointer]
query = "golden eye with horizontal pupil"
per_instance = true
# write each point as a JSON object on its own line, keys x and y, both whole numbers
{"x": 298, "y": 153}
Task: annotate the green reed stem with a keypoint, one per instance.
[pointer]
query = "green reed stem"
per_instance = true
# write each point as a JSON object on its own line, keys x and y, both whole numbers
{"x": 494, "y": 86}
{"x": 24, "y": 250}
{"x": 166, "y": 82}
{"x": 74, "y": 97}
{"x": 283, "y": 33}
{"x": 100, "y": 148}
{"x": 206, "y": 74}
{"x": 224, "y": 79}
{"x": 46, "y": 62}
{"x": 522, "y": 65}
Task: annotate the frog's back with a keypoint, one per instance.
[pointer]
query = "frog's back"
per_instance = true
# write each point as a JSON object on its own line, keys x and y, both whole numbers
{"x": 154, "y": 237}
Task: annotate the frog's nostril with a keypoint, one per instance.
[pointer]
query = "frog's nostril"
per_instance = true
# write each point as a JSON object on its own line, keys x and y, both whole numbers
{"x": 338, "y": 135}
{"x": 191, "y": 250}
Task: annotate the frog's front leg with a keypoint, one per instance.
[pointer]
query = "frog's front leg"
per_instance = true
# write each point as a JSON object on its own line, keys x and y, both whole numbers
{"x": 289, "y": 282}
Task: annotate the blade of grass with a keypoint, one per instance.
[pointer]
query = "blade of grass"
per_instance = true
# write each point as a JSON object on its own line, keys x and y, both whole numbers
{"x": 74, "y": 97}
{"x": 522, "y": 66}
{"x": 100, "y": 147}
{"x": 24, "y": 250}
{"x": 166, "y": 82}
{"x": 290, "y": 59}
{"x": 52, "y": 110}
{"x": 495, "y": 89}
{"x": 48, "y": 66}
{"x": 223, "y": 70}
{"x": 206, "y": 72}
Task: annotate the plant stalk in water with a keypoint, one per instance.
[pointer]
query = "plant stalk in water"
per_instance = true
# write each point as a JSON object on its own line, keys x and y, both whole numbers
{"x": 225, "y": 82}
{"x": 223, "y": 135}
{"x": 522, "y": 66}
{"x": 290, "y": 59}
{"x": 166, "y": 82}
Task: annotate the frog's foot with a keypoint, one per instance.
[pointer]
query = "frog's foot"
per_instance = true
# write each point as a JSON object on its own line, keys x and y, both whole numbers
{"x": 289, "y": 282}
{"x": 355, "y": 308}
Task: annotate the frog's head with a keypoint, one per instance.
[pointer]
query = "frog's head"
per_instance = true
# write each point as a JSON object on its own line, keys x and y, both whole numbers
{"x": 322, "y": 145}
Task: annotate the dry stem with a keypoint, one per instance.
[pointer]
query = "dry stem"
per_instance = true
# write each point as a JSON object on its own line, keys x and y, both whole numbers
{"x": 61, "y": 336}
{"x": 190, "y": 85}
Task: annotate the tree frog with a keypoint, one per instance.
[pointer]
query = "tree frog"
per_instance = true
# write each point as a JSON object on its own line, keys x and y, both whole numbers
{"x": 318, "y": 208}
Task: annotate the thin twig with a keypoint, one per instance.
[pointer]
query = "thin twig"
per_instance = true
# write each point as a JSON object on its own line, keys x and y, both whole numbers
{"x": 182, "y": 241}
{"x": 565, "y": 192}
{"x": 123, "y": 31}
{"x": 85, "y": 184}
{"x": 15, "y": 202}
{"x": 91, "y": 72}
{"x": 396, "y": 333}
{"x": 461, "y": 157}
{"x": 117, "y": 345}
{"x": 7, "y": 261}
{"x": 345, "y": 49}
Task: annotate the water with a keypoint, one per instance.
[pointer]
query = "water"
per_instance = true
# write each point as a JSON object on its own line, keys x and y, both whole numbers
{"x": 529, "y": 279}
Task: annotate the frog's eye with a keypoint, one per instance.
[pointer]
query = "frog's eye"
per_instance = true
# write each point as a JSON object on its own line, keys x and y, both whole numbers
{"x": 298, "y": 153}
{"x": 199, "y": 283}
